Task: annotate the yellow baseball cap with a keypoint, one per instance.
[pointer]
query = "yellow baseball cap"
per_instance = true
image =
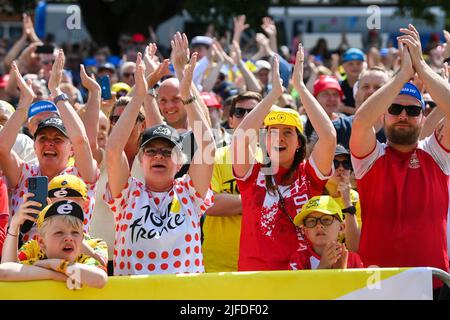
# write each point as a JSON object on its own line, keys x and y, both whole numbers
{"x": 286, "y": 116}
{"x": 64, "y": 208}
{"x": 119, "y": 86}
{"x": 67, "y": 185}
{"x": 323, "y": 204}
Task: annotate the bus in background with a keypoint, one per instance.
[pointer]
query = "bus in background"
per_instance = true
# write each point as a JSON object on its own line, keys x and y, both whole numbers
{"x": 314, "y": 22}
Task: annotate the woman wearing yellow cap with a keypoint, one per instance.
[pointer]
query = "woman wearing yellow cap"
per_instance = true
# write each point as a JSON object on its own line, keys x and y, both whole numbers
{"x": 272, "y": 193}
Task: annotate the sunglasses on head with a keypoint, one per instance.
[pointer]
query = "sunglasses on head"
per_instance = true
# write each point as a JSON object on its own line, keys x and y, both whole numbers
{"x": 346, "y": 164}
{"x": 240, "y": 112}
{"x": 412, "y": 111}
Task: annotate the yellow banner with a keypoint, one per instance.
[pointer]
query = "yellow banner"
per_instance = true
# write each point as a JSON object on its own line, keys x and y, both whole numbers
{"x": 267, "y": 285}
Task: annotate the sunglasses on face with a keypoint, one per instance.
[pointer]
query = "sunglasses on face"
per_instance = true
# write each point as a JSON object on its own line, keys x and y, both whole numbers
{"x": 346, "y": 164}
{"x": 431, "y": 104}
{"x": 128, "y": 74}
{"x": 151, "y": 152}
{"x": 412, "y": 111}
{"x": 240, "y": 112}
{"x": 47, "y": 62}
{"x": 325, "y": 220}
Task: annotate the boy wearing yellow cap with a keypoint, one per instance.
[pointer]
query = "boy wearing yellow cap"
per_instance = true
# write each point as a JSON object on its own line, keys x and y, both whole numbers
{"x": 321, "y": 221}
{"x": 59, "y": 256}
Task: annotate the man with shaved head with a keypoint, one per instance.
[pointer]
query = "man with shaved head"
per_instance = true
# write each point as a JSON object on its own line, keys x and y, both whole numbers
{"x": 170, "y": 105}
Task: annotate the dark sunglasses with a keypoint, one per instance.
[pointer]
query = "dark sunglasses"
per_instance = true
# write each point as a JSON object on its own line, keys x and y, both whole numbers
{"x": 432, "y": 104}
{"x": 151, "y": 152}
{"x": 325, "y": 220}
{"x": 240, "y": 112}
{"x": 347, "y": 164}
{"x": 47, "y": 62}
{"x": 412, "y": 111}
{"x": 126, "y": 74}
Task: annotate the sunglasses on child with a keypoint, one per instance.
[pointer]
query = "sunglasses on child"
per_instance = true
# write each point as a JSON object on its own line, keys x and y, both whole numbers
{"x": 240, "y": 112}
{"x": 325, "y": 220}
{"x": 412, "y": 111}
{"x": 346, "y": 164}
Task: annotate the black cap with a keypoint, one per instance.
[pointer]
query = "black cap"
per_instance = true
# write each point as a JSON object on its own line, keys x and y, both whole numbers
{"x": 107, "y": 66}
{"x": 161, "y": 131}
{"x": 54, "y": 122}
{"x": 341, "y": 150}
{"x": 63, "y": 208}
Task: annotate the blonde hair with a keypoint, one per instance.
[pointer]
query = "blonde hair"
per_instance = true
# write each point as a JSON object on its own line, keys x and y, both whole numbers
{"x": 70, "y": 221}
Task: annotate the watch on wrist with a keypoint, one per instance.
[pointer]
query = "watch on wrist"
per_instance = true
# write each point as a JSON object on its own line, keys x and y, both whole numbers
{"x": 152, "y": 92}
{"x": 190, "y": 100}
{"x": 60, "y": 97}
{"x": 349, "y": 210}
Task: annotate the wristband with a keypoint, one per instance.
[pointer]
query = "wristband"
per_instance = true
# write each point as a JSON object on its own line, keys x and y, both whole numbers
{"x": 12, "y": 235}
{"x": 350, "y": 210}
{"x": 190, "y": 100}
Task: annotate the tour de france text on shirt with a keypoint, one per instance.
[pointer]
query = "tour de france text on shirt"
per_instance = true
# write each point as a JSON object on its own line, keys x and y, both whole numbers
{"x": 160, "y": 224}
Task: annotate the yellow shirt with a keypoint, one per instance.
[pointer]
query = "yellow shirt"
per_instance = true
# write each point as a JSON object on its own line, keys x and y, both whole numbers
{"x": 221, "y": 234}
{"x": 30, "y": 252}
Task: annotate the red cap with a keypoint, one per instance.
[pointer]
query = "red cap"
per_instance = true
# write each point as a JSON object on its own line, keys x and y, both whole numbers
{"x": 4, "y": 80}
{"x": 138, "y": 37}
{"x": 326, "y": 82}
{"x": 211, "y": 100}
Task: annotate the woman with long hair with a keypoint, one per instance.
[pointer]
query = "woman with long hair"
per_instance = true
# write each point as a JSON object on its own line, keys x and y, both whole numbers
{"x": 273, "y": 193}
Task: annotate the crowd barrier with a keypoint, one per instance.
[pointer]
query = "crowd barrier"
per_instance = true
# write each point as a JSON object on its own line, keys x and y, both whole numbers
{"x": 383, "y": 283}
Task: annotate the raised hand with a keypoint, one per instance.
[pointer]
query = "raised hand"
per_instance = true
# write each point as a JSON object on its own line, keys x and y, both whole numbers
{"x": 269, "y": 26}
{"x": 141, "y": 86}
{"x": 57, "y": 72}
{"x": 28, "y": 29}
{"x": 297, "y": 75}
{"x": 88, "y": 82}
{"x": 406, "y": 65}
{"x": 186, "y": 81}
{"x": 150, "y": 63}
{"x": 446, "y": 45}
{"x": 161, "y": 71}
{"x": 277, "y": 83}
{"x": 27, "y": 94}
{"x": 411, "y": 39}
{"x": 226, "y": 58}
{"x": 180, "y": 52}
{"x": 239, "y": 27}
{"x": 25, "y": 212}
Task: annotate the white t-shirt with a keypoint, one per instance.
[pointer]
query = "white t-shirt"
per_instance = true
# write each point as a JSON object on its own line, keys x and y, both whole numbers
{"x": 158, "y": 233}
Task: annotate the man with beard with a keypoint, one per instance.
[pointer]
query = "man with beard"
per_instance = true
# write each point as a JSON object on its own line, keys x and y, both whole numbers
{"x": 405, "y": 225}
